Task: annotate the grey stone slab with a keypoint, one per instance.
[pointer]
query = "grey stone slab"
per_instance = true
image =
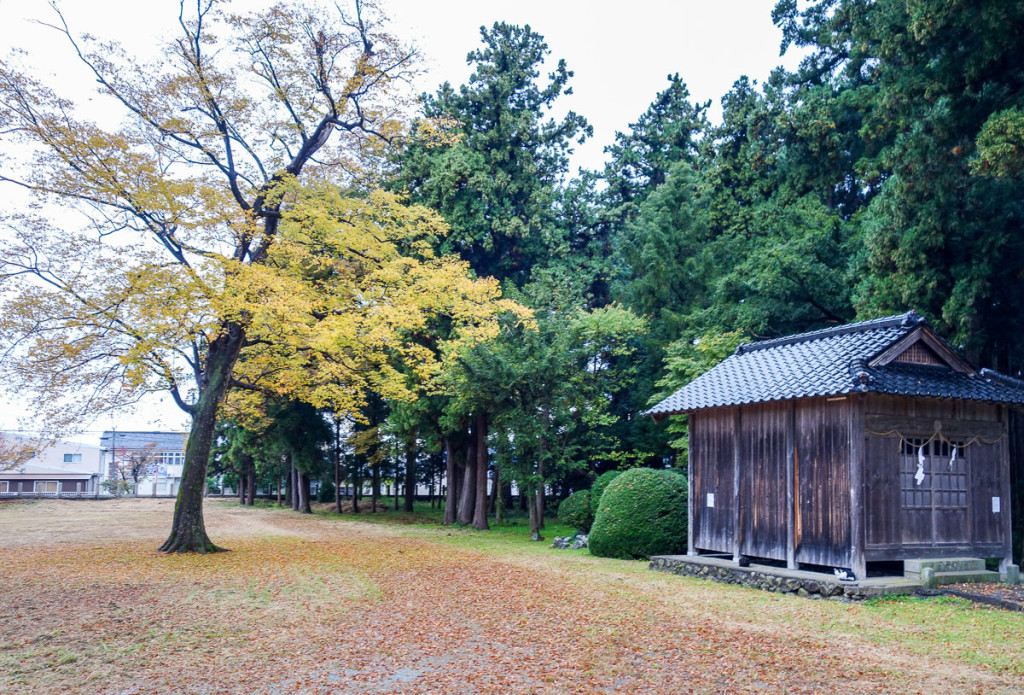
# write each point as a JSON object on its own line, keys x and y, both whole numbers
{"x": 950, "y": 564}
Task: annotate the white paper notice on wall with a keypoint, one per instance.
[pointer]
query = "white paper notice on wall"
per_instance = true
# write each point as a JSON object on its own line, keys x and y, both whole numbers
{"x": 711, "y": 499}
{"x": 995, "y": 505}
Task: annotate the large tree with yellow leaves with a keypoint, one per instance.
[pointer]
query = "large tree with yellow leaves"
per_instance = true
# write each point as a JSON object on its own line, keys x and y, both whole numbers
{"x": 231, "y": 215}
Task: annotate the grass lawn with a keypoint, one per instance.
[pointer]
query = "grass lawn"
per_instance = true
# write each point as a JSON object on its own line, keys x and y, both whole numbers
{"x": 397, "y": 603}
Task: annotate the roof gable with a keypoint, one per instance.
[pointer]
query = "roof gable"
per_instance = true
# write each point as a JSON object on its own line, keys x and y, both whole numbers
{"x": 857, "y": 357}
{"x": 923, "y": 346}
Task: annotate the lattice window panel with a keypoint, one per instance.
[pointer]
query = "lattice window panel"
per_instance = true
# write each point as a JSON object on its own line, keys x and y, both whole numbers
{"x": 919, "y": 353}
{"x": 945, "y": 481}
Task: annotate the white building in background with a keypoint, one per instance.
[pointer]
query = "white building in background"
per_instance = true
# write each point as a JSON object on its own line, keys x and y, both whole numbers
{"x": 48, "y": 468}
{"x": 157, "y": 456}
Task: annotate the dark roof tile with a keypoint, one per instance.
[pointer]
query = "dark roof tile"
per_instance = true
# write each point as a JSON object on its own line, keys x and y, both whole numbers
{"x": 832, "y": 362}
{"x": 159, "y": 441}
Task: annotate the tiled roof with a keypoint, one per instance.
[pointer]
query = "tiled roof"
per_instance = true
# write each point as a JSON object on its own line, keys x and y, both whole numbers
{"x": 33, "y": 469}
{"x": 160, "y": 441}
{"x": 832, "y": 362}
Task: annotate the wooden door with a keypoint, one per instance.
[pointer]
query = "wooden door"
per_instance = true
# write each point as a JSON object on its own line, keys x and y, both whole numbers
{"x": 933, "y": 492}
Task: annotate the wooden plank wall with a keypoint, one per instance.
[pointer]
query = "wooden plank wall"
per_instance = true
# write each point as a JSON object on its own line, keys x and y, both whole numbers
{"x": 1015, "y": 442}
{"x": 882, "y": 491}
{"x": 816, "y": 433}
{"x": 822, "y": 471}
{"x": 794, "y": 472}
{"x": 763, "y": 498}
{"x": 894, "y": 532}
{"x": 986, "y": 482}
{"x": 712, "y": 445}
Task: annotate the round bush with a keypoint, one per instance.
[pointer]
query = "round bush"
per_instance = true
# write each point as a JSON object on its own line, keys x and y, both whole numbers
{"x": 575, "y": 511}
{"x": 597, "y": 489}
{"x": 326, "y": 493}
{"x": 642, "y": 513}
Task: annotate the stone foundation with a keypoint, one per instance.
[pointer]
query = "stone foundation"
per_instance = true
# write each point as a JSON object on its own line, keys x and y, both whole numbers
{"x": 796, "y": 582}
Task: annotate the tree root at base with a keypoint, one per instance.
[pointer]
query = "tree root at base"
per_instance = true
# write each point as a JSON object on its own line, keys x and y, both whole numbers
{"x": 183, "y": 545}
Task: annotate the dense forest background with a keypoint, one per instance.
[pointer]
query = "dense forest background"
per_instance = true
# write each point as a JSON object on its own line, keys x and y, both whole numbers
{"x": 885, "y": 174}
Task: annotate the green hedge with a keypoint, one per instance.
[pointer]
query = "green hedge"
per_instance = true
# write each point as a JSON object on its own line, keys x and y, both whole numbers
{"x": 597, "y": 489}
{"x": 642, "y": 513}
{"x": 575, "y": 511}
{"x": 326, "y": 493}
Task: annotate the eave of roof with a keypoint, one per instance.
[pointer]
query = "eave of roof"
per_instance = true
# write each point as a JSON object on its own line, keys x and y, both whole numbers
{"x": 835, "y": 362}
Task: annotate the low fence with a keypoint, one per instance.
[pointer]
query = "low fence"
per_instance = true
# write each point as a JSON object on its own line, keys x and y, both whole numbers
{"x": 100, "y": 495}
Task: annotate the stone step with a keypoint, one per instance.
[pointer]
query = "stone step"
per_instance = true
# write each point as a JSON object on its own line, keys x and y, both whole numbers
{"x": 913, "y": 568}
{"x": 943, "y": 578}
{"x": 933, "y": 579}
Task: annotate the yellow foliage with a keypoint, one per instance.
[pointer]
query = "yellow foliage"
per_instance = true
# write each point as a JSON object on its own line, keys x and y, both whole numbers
{"x": 358, "y": 302}
{"x": 220, "y": 219}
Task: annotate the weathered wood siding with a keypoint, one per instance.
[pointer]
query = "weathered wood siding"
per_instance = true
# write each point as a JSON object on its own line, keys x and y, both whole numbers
{"x": 712, "y": 442}
{"x": 951, "y": 511}
{"x": 754, "y": 520}
{"x": 743, "y": 458}
{"x": 987, "y": 476}
{"x": 1015, "y": 481}
{"x": 822, "y": 472}
{"x": 763, "y": 498}
{"x": 882, "y": 491}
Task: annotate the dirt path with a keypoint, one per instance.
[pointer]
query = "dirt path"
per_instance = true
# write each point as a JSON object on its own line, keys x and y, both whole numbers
{"x": 27, "y": 523}
{"x": 314, "y": 606}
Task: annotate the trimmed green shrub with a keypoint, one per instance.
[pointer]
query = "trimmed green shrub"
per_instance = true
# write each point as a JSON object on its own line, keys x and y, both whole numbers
{"x": 597, "y": 489}
{"x": 642, "y": 513}
{"x": 575, "y": 511}
{"x": 326, "y": 493}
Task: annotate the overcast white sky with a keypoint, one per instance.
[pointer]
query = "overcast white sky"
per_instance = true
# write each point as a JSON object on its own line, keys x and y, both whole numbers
{"x": 620, "y": 52}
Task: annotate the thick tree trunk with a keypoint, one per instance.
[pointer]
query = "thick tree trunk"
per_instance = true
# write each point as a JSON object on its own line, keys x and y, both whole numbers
{"x": 337, "y": 465}
{"x": 297, "y": 492}
{"x": 241, "y": 487}
{"x": 410, "y": 475}
{"x": 278, "y": 486}
{"x": 534, "y": 518}
{"x": 394, "y": 500}
{"x": 375, "y": 487}
{"x": 540, "y": 488}
{"x": 467, "y": 491}
{"x": 357, "y": 486}
{"x": 304, "y": 494}
{"x": 539, "y": 501}
{"x": 480, "y": 510}
{"x": 188, "y": 530}
{"x": 455, "y": 492}
{"x": 496, "y": 500}
{"x": 250, "y": 464}
{"x": 451, "y": 500}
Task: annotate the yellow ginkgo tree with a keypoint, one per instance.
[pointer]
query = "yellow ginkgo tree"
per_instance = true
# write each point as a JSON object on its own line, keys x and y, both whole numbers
{"x": 227, "y": 234}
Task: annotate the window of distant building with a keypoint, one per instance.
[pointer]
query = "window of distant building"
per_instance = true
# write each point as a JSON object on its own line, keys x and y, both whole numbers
{"x": 172, "y": 458}
{"x": 72, "y": 458}
{"x": 5, "y": 486}
{"x": 46, "y": 486}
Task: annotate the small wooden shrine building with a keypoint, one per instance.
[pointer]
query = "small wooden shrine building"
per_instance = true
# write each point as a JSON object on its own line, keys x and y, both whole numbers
{"x": 869, "y": 442}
